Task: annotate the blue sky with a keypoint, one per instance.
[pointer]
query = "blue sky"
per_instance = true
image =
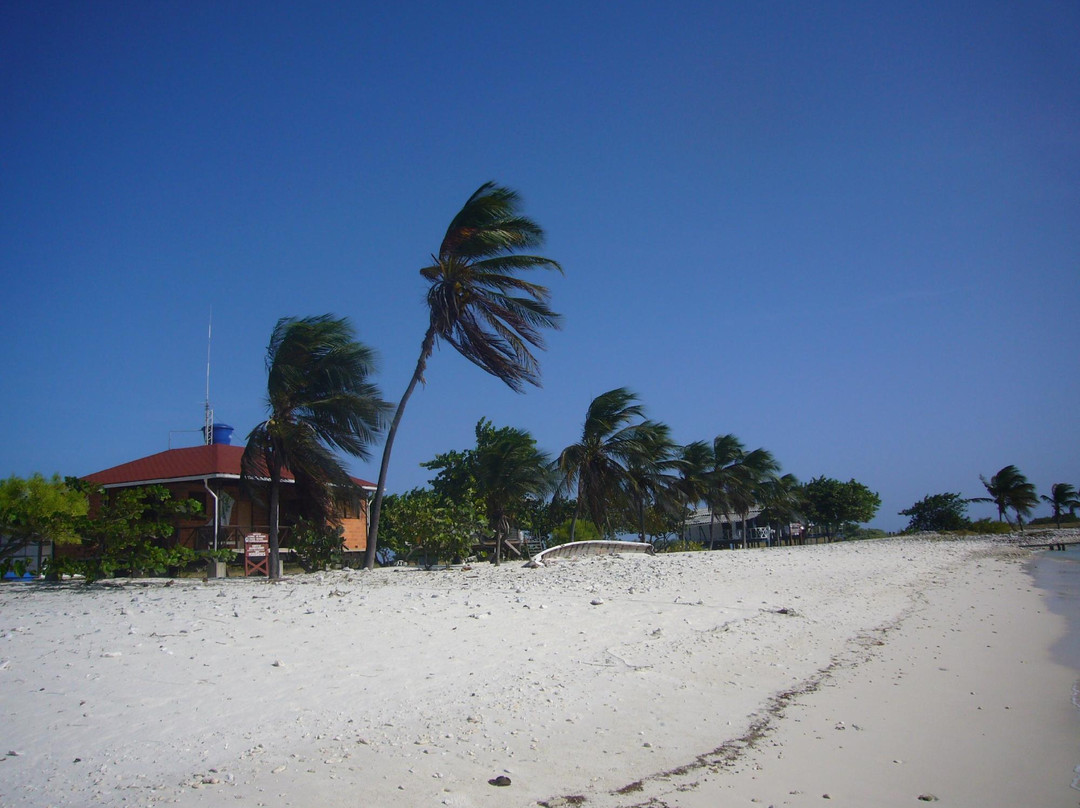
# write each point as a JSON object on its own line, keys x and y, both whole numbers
{"x": 846, "y": 232}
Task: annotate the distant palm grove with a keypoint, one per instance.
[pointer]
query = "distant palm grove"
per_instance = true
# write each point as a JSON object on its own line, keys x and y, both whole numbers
{"x": 621, "y": 475}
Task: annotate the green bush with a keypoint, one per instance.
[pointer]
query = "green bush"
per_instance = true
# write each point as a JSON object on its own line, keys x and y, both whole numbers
{"x": 318, "y": 546}
{"x": 989, "y": 527}
{"x": 682, "y": 546}
{"x": 855, "y": 533}
{"x": 218, "y": 555}
{"x": 140, "y": 560}
{"x": 584, "y": 530}
{"x": 1049, "y": 521}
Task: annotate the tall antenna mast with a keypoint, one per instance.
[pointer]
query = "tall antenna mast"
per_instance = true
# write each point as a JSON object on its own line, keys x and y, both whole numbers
{"x": 208, "y": 415}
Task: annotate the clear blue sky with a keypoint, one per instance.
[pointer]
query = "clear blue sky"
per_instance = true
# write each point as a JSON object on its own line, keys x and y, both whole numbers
{"x": 846, "y": 232}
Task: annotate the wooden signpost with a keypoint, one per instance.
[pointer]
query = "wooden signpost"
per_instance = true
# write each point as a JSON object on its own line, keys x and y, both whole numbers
{"x": 257, "y": 554}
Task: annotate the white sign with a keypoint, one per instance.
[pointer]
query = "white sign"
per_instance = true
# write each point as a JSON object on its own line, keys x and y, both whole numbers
{"x": 256, "y": 545}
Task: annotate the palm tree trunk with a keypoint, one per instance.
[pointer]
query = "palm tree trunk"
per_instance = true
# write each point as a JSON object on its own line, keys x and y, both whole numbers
{"x": 577, "y": 510}
{"x": 376, "y": 507}
{"x": 273, "y": 573}
{"x": 499, "y": 525}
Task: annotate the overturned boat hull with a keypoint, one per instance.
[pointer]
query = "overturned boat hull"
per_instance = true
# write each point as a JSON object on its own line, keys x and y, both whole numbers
{"x": 578, "y": 549}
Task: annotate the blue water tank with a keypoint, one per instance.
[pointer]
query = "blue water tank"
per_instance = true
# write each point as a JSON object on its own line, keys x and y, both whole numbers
{"x": 221, "y": 433}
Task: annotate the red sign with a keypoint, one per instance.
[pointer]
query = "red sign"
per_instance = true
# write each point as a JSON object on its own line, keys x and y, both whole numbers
{"x": 256, "y": 550}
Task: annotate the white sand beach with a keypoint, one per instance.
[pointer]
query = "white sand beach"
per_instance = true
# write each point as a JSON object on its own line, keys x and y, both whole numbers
{"x": 878, "y": 673}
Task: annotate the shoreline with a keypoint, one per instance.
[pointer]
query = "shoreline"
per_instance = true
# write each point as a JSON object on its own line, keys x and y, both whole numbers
{"x": 596, "y": 682}
{"x": 1058, "y": 575}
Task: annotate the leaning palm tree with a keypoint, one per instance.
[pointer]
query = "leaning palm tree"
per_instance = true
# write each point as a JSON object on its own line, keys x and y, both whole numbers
{"x": 318, "y": 398}
{"x": 650, "y": 471}
{"x": 1062, "y": 498}
{"x": 754, "y": 471}
{"x": 693, "y": 466}
{"x": 1009, "y": 488}
{"x": 478, "y": 304}
{"x": 596, "y": 466}
{"x": 781, "y": 500}
{"x": 723, "y": 479}
{"x": 509, "y": 470}
{"x": 736, "y": 477}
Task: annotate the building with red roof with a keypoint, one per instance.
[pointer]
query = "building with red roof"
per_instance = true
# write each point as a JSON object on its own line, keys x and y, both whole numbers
{"x": 210, "y": 474}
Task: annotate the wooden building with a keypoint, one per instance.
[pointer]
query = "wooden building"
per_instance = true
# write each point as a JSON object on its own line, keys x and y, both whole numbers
{"x": 210, "y": 474}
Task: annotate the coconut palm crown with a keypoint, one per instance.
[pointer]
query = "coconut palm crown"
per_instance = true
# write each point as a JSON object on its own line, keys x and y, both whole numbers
{"x": 319, "y": 398}
{"x": 479, "y": 304}
{"x": 737, "y": 477}
{"x": 509, "y": 469}
{"x": 1063, "y": 497}
{"x": 597, "y": 467}
{"x": 651, "y": 472}
{"x": 1009, "y": 488}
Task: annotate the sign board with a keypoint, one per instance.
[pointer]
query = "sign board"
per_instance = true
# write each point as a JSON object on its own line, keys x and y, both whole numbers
{"x": 256, "y": 552}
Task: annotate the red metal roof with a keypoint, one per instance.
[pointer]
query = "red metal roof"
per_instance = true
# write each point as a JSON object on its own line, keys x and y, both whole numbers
{"x": 215, "y": 460}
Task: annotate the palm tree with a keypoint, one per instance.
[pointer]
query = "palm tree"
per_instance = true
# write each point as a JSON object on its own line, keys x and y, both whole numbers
{"x": 596, "y": 467}
{"x": 757, "y": 469}
{"x": 723, "y": 478}
{"x": 694, "y": 464}
{"x": 510, "y": 469}
{"x": 318, "y": 398}
{"x": 649, "y": 471}
{"x": 736, "y": 477}
{"x": 478, "y": 304}
{"x": 1062, "y": 497}
{"x": 1009, "y": 489}
{"x": 781, "y": 498}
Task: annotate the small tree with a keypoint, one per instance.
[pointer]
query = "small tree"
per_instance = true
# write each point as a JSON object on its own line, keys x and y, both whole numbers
{"x": 539, "y": 517}
{"x": 422, "y": 525}
{"x": 1062, "y": 498}
{"x": 938, "y": 512}
{"x": 318, "y": 545}
{"x": 831, "y": 503}
{"x": 37, "y": 510}
{"x": 662, "y": 523}
{"x": 132, "y": 531}
{"x": 504, "y": 475}
{"x": 574, "y": 530}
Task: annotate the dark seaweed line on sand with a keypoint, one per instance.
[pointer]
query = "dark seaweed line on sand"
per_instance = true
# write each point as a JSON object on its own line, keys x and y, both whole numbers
{"x": 859, "y": 650}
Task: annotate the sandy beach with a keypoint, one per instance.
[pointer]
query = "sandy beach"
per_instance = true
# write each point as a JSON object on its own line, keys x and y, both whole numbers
{"x": 878, "y": 673}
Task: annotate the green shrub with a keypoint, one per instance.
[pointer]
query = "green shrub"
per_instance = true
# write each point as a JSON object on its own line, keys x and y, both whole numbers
{"x": 1049, "y": 521}
{"x": 989, "y": 527}
{"x": 682, "y": 546}
{"x": 855, "y": 532}
{"x": 584, "y": 530}
{"x": 218, "y": 555}
{"x": 318, "y": 546}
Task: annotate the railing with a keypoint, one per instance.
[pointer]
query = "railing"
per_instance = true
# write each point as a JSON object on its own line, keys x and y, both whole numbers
{"x": 230, "y": 537}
